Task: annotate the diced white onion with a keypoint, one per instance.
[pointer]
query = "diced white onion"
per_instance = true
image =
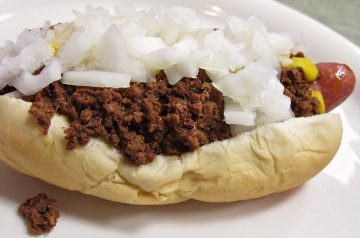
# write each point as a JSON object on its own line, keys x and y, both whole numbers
{"x": 186, "y": 18}
{"x": 214, "y": 41}
{"x": 188, "y": 67}
{"x": 255, "y": 89}
{"x": 170, "y": 32}
{"x": 213, "y": 60}
{"x": 160, "y": 59}
{"x": 127, "y": 11}
{"x": 131, "y": 30}
{"x": 139, "y": 46}
{"x": 137, "y": 70}
{"x": 186, "y": 46}
{"x": 281, "y": 43}
{"x": 232, "y": 86}
{"x": 100, "y": 49}
{"x": 76, "y": 48}
{"x": 235, "y": 115}
{"x": 26, "y": 38}
{"x": 173, "y": 74}
{"x": 34, "y": 55}
{"x": 94, "y": 21}
{"x": 263, "y": 48}
{"x": 110, "y": 53}
{"x": 29, "y": 84}
{"x": 5, "y": 75}
{"x": 96, "y": 79}
{"x": 152, "y": 24}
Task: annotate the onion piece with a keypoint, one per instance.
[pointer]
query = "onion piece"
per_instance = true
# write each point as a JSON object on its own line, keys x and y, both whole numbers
{"x": 188, "y": 67}
{"x": 139, "y": 46}
{"x": 126, "y": 10}
{"x": 262, "y": 46}
{"x": 5, "y": 75}
{"x": 96, "y": 79}
{"x": 257, "y": 91}
{"x": 173, "y": 74}
{"x": 10, "y": 66}
{"x": 110, "y": 52}
{"x": 160, "y": 59}
{"x": 61, "y": 33}
{"x": 186, "y": 18}
{"x": 137, "y": 71}
{"x": 285, "y": 59}
{"x": 34, "y": 55}
{"x": 95, "y": 21}
{"x": 214, "y": 41}
{"x": 233, "y": 87}
{"x": 213, "y": 60}
{"x": 185, "y": 47}
{"x": 170, "y": 32}
{"x": 152, "y": 24}
{"x": 235, "y": 114}
{"x": 29, "y": 84}
{"x": 185, "y": 67}
{"x": 281, "y": 43}
{"x": 131, "y": 30}
{"x": 76, "y": 48}
{"x": 26, "y": 38}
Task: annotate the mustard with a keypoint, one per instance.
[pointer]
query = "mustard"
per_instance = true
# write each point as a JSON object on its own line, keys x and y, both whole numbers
{"x": 310, "y": 70}
{"x": 54, "y": 49}
{"x": 318, "y": 95}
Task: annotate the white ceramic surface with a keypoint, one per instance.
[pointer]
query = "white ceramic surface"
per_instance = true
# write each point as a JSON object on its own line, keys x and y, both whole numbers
{"x": 327, "y": 206}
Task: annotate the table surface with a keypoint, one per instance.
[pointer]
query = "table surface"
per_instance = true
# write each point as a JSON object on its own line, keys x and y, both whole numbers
{"x": 342, "y": 16}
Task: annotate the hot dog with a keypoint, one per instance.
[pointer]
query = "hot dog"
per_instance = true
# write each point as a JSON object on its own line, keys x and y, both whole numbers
{"x": 330, "y": 83}
{"x": 336, "y": 82}
{"x": 166, "y": 136}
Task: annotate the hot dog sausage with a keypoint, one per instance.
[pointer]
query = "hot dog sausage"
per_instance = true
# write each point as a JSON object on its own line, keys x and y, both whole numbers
{"x": 336, "y": 82}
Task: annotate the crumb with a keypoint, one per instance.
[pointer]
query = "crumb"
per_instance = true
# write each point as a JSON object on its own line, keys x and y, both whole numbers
{"x": 41, "y": 213}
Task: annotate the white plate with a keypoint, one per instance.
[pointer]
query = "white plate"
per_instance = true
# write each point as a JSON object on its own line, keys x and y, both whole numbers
{"x": 327, "y": 206}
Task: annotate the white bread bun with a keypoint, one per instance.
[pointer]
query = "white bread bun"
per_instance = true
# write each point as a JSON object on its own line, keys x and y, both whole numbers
{"x": 271, "y": 158}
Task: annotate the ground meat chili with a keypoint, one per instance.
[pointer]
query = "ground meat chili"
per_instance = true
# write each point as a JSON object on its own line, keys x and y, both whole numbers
{"x": 298, "y": 89}
{"x": 147, "y": 119}
{"x": 143, "y": 120}
{"x": 41, "y": 213}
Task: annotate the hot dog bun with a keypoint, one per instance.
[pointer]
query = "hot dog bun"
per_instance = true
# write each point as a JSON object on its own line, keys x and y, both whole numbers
{"x": 271, "y": 158}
